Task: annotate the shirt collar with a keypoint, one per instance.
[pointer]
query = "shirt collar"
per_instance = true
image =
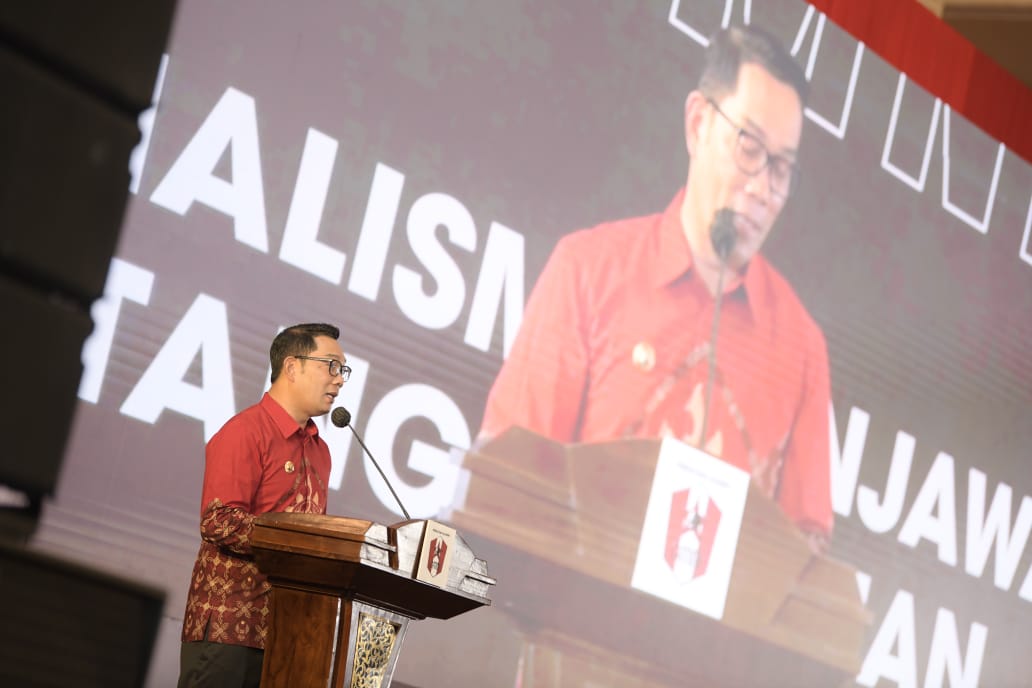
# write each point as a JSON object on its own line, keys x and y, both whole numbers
{"x": 284, "y": 422}
{"x": 673, "y": 255}
{"x": 674, "y": 261}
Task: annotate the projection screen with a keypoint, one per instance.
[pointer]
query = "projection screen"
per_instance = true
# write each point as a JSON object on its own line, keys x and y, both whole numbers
{"x": 405, "y": 170}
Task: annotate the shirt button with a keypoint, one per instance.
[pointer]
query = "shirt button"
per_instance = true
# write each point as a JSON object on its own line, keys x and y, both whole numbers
{"x": 643, "y": 357}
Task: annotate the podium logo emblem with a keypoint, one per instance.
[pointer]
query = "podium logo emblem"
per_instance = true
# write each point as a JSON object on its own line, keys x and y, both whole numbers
{"x": 435, "y": 560}
{"x": 694, "y": 519}
{"x": 436, "y": 551}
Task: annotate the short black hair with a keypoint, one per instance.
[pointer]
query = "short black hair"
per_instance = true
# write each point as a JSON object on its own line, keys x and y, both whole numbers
{"x": 730, "y": 48}
{"x": 297, "y": 340}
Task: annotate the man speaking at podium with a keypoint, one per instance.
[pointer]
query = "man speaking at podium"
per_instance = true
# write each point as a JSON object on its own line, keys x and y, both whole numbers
{"x": 267, "y": 458}
{"x": 617, "y": 335}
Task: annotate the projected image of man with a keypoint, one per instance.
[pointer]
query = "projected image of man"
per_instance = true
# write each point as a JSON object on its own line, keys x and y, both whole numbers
{"x": 616, "y": 337}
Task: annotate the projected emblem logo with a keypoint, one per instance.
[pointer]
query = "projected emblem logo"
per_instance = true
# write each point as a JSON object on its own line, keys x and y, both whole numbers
{"x": 438, "y": 550}
{"x": 694, "y": 520}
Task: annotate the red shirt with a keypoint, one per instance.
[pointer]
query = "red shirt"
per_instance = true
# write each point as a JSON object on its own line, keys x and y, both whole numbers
{"x": 260, "y": 461}
{"x": 614, "y": 343}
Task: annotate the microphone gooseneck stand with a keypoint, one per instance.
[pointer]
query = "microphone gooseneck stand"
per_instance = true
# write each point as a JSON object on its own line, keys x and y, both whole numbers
{"x": 723, "y": 236}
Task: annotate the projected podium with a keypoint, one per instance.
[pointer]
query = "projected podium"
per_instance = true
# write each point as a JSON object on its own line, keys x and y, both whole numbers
{"x": 344, "y": 590}
{"x": 567, "y": 521}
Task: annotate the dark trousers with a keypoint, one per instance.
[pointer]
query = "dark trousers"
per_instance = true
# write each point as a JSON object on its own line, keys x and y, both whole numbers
{"x": 215, "y": 665}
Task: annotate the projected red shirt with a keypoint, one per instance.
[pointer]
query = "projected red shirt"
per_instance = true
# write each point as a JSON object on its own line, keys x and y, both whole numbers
{"x": 614, "y": 343}
{"x": 259, "y": 462}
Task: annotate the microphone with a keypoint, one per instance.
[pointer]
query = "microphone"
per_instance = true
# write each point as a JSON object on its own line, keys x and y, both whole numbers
{"x": 723, "y": 235}
{"x": 341, "y": 417}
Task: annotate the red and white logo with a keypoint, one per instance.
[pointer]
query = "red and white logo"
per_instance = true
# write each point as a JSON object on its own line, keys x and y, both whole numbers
{"x": 438, "y": 550}
{"x": 694, "y": 520}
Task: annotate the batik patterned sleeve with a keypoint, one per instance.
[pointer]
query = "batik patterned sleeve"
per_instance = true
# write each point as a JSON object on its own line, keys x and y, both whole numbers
{"x": 232, "y": 472}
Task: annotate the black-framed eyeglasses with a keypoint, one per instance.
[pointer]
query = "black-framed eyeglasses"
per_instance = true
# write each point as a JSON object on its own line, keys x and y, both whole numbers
{"x": 751, "y": 157}
{"x": 335, "y": 366}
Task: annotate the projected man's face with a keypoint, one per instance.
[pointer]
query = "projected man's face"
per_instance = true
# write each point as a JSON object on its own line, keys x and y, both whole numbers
{"x": 743, "y": 151}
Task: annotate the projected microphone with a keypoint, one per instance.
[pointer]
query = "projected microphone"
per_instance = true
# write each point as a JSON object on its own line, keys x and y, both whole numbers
{"x": 341, "y": 417}
{"x": 723, "y": 235}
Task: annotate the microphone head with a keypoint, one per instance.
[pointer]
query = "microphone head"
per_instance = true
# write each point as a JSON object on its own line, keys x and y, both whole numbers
{"x": 723, "y": 233}
{"x": 340, "y": 417}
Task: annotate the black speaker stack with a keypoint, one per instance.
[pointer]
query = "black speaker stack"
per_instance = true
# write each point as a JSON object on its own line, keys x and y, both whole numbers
{"x": 74, "y": 78}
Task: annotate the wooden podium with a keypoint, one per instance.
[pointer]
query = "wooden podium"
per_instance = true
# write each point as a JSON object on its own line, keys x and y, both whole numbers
{"x": 344, "y": 590}
{"x": 572, "y": 515}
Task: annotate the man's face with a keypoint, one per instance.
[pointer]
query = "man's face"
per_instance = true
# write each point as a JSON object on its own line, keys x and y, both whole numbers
{"x": 315, "y": 388}
{"x": 770, "y": 114}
